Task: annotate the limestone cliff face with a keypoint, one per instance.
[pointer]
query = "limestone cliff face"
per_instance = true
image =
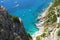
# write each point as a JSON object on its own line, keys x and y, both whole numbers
{"x": 10, "y": 27}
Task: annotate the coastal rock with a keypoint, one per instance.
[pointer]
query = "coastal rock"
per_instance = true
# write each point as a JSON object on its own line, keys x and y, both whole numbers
{"x": 11, "y": 29}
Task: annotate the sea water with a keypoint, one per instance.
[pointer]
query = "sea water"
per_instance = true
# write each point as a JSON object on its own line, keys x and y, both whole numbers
{"x": 27, "y": 10}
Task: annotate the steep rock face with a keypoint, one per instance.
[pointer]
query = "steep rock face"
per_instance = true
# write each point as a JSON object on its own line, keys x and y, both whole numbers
{"x": 11, "y": 29}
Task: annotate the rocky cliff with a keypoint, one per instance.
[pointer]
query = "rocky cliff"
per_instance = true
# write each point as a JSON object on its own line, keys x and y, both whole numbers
{"x": 10, "y": 27}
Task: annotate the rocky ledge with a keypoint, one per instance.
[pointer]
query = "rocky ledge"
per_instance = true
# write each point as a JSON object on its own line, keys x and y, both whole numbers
{"x": 10, "y": 27}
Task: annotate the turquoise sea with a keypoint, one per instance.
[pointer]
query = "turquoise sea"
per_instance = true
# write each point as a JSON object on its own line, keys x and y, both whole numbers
{"x": 27, "y": 10}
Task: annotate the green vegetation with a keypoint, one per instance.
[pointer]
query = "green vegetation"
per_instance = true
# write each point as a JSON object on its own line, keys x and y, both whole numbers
{"x": 58, "y": 10}
{"x": 15, "y": 19}
{"x": 56, "y": 3}
{"x": 52, "y": 17}
{"x": 45, "y": 29}
{"x": 43, "y": 35}
{"x": 58, "y": 32}
{"x": 58, "y": 25}
{"x": 38, "y": 38}
{"x": 29, "y": 36}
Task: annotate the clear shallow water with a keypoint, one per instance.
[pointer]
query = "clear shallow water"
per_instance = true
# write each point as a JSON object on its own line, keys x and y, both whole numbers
{"x": 27, "y": 10}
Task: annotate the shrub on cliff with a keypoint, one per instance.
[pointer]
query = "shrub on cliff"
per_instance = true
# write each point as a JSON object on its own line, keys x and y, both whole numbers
{"x": 15, "y": 19}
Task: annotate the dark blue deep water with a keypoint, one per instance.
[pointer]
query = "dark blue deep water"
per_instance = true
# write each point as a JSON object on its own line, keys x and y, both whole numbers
{"x": 27, "y": 10}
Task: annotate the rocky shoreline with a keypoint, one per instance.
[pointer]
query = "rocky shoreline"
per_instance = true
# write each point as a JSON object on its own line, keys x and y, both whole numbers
{"x": 10, "y": 27}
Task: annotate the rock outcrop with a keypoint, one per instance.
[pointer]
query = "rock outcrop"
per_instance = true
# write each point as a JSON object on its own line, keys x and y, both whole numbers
{"x": 10, "y": 27}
